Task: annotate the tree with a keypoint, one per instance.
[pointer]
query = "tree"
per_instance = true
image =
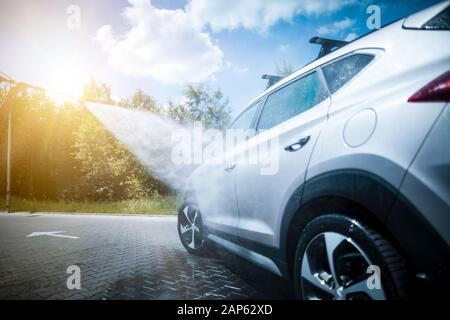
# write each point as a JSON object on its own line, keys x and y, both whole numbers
{"x": 4, "y": 89}
{"x": 41, "y": 146}
{"x": 94, "y": 92}
{"x": 140, "y": 101}
{"x": 178, "y": 112}
{"x": 285, "y": 69}
{"x": 61, "y": 151}
{"x": 109, "y": 170}
{"x": 202, "y": 104}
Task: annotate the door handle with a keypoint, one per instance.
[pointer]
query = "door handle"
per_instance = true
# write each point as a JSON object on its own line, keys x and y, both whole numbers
{"x": 298, "y": 145}
{"x": 230, "y": 167}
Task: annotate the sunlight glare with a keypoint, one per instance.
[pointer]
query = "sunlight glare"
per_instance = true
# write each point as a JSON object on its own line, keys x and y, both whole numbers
{"x": 67, "y": 77}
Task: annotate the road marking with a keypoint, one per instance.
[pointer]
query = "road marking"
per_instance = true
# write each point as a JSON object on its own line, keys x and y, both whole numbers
{"x": 51, "y": 234}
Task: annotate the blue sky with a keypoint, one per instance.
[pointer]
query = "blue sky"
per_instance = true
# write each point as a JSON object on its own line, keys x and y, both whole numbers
{"x": 162, "y": 45}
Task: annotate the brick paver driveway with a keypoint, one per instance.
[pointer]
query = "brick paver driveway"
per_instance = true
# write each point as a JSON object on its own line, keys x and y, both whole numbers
{"x": 120, "y": 257}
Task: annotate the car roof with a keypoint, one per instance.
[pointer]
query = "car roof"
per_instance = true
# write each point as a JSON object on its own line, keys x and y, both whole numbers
{"x": 365, "y": 42}
{"x": 371, "y": 40}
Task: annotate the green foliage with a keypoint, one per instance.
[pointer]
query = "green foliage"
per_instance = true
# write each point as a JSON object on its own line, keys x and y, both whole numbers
{"x": 284, "y": 70}
{"x": 60, "y": 151}
{"x": 178, "y": 112}
{"x": 42, "y": 139}
{"x": 161, "y": 205}
{"x": 202, "y": 104}
{"x": 108, "y": 168}
{"x": 4, "y": 89}
{"x": 140, "y": 101}
{"x": 64, "y": 159}
{"x": 94, "y": 92}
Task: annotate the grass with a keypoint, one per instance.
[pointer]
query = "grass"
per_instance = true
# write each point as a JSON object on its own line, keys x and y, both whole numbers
{"x": 158, "y": 206}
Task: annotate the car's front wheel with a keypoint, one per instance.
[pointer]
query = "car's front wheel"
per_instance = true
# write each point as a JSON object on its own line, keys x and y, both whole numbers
{"x": 191, "y": 229}
{"x": 340, "y": 258}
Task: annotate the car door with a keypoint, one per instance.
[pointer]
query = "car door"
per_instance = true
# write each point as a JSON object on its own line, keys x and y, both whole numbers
{"x": 289, "y": 125}
{"x": 218, "y": 198}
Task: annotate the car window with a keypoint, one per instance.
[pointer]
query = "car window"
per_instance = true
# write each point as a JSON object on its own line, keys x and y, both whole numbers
{"x": 291, "y": 100}
{"x": 244, "y": 121}
{"x": 439, "y": 22}
{"x": 338, "y": 73}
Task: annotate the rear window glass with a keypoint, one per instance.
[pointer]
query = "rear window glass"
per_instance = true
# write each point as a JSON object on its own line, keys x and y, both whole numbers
{"x": 338, "y": 73}
{"x": 439, "y": 22}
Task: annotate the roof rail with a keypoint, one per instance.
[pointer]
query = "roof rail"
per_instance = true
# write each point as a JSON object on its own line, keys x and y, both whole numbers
{"x": 327, "y": 45}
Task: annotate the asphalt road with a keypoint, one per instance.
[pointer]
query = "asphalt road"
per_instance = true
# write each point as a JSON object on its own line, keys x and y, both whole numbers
{"x": 119, "y": 257}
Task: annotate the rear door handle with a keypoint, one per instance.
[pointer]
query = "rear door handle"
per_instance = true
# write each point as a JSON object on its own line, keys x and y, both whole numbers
{"x": 298, "y": 145}
{"x": 230, "y": 167}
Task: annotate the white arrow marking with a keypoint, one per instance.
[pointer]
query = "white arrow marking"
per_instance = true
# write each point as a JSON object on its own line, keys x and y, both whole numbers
{"x": 51, "y": 234}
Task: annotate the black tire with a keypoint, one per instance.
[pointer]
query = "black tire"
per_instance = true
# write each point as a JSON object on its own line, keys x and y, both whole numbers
{"x": 349, "y": 259}
{"x": 188, "y": 214}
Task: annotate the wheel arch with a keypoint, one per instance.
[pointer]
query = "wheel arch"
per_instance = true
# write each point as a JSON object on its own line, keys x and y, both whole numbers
{"x": 357, "y": 193}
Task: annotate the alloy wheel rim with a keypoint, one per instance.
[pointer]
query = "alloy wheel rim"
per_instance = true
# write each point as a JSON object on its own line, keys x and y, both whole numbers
{"x": 335, "y": 267}
{"x": 191, "y": 227}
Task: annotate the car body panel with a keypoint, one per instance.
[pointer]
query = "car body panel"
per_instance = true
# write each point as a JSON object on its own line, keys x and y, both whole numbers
{"x": 215, "y": 195}
{"x": 385, "y": 87}
{"x": 427, "y": 183}
{"x": 416, "y": 21}
{"x": 260, "y": 195}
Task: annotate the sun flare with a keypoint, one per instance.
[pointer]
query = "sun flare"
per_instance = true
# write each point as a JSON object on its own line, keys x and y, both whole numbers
{"x": 67, "y": 77}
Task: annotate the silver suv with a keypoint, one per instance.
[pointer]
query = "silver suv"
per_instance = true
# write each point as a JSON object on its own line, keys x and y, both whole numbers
{"x": 359, "y": 207}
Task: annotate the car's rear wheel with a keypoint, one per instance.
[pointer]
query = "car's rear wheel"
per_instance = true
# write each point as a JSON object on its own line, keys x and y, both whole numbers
{"x": 191, "y": 229}
{"x": 339, "y": 258}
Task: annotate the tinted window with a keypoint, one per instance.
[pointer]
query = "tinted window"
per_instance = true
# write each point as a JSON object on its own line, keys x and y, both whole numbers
{"x": 245, "y": 119}
{"x": 440, "y": 22}
{"x": 342, "y": 71}
{"x": 291, "y": 100}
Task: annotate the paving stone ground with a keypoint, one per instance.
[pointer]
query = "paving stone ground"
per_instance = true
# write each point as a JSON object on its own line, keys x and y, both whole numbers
{"x": 120, "y": 257}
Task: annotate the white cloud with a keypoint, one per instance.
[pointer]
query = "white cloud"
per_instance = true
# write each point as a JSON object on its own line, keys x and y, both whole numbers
{"x": 175, "y": 46}
{"x": 351, "y": 36}
{"x": 336, "y": 27}
{"x": 323, "y": 30}
{"x": 256, "y": 14}
{"x": 235, "y": 68}
{"x": 161, "y": 44}
{"x": 344, "y": 24}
